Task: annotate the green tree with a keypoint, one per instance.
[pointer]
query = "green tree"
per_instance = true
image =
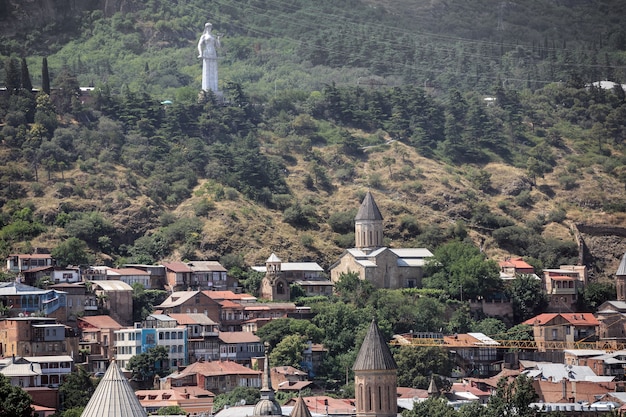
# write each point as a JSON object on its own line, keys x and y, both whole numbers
{"x": 513, "y": 398}
{"x": 274, "y": 331}
{"x": 352, "y": 289}
{"x": 416, "y": 364}
{"x": 25, "y": 82}
{"x": 527, "y": 296}
{"x": 14, "y": 401}
{"x": 45, "y": 76}
{"x": 432, "y": 407}
{"x": 77, "y": 388}
{"x": 146, "y": 365}
{"x": 594, "y": 294}
{"x": 288, "y": 352}
{"x": 72, "y": 251}
{"x": 171, "y": 410}
{"x": 248, "y": 394}
{"x": 463, "y": 271}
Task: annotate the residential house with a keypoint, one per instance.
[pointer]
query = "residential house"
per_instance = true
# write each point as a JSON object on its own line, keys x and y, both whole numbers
{"x": 36, "y": 336}
{"x": 194, "y": 400}
{"x": 78, "y": 300}
{"x": 202, "y": 336}
{"x": 580, "y": 357}
{"x": 156, "y": 330}
{"x": 609, "y": 364}
{"x": 210, "y": 275}
{"x": 562, "y": 286}
{"x": 312, "y": 357}
{"x": 129, "y": 276}
{"x": 216, "y": 376}
{"x": 280, "y": 275}
{"x": 290, "y": 379}
{"x": 29, "y": 264}
{"x": 177, "y": 276}
{"x": 190, "y": 302}
{"x": 240, "y": 347}
{"x": 155, "y": 272}
{"x": 564, "y": 329}
{"x": 382, "y": 266}
{"x": 612, "y": 318}
{"x": 40, "y": 377}
{"x": 24, "y": 300}
{"x": 511, "y": 268}
{"x": 114, "y": 298}
{"x": 65, "y": 275}
{"x": 97, "y": 341}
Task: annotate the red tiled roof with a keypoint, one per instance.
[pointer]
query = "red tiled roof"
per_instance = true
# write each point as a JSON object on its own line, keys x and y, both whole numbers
{"x": 32, "y": 255}
{"x": 404, "y": 392}
{"x": 194, "y": 391}
{"x": 562, "y": 278}
{"x": 227, "y": 295}
{"x": 577, "y": 319}
{"x": 129, "y": 271}
{"x": 177, "y": 267}
{"x": 335, "y": 405}
{"x": 239, "y": 337}
{"x": 459, "y": 386}
{"x": 229, "y": 304}
{"x": 217, "y": 368}
{"x": 100, "y": 322}
{"x": 517, "y": 263}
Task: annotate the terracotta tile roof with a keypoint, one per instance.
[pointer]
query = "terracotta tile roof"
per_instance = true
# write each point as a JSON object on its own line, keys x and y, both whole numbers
{"x": 287, "y": 370}
{"x": 576, "y": 319}
{"x": 335, "y": 405}
{"x": 128, "y": 271}
{"x": 32, "y": 255}
{"x": 194, "y": 391}
{"x": 177, "y": 267}
{"x": 191, "y": 318}
{"x": 100, "y": 322}
{"x": 562, "y": 278}
{"x": 459, "y": 386}
{"x": 230, "y": 304}
{"x": 215, "y": 368}
{"x": 517, "y": 263}
{"x": 177, "y": 298}
{"x": 239, "y": 337}
{"x": 228, "y": 295}
{"x": 404, "y": 392}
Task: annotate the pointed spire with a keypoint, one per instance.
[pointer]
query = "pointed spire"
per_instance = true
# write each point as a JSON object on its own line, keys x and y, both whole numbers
{"x": 368, "y": 210}
{"x": 266, "y": 387}
{"x": 374, "y": 353}
{"x": 113, "y": 397}
{"x": 621, "y": 269}
{"x": 300, "y": 409}
{"x": 267, "y": 405}
{"x": 433, "y": 390}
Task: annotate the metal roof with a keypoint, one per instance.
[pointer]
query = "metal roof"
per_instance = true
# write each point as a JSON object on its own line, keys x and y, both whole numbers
{"x": 621, "y": 269}
{"x": 113, "y": 397}
{"x": 368, "y": 210}
{"x": 374, "y": 353}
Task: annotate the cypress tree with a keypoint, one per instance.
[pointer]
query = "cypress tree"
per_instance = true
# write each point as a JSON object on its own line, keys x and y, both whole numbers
{"x": 45, "y": 76}
{"x": 12, "y": 79}
{"x": 26, "y": 83}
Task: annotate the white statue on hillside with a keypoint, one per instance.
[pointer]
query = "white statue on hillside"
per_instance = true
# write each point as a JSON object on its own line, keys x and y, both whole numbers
{"x": 207, "y": 50}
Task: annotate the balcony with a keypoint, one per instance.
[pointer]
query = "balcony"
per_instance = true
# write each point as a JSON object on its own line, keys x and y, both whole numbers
{"x": 563, "y": 291}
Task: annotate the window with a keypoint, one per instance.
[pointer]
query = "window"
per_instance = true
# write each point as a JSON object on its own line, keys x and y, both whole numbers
{"x": 555, "y": 334}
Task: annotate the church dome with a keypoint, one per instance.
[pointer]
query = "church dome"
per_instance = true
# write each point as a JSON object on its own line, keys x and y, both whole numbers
{"x": 267, "y": 407}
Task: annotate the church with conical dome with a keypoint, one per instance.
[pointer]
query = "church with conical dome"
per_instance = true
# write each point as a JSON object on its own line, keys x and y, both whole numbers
{"x": 383, "y": 266}
{"x": 114, "y": 397}
{"x": 375, "y": 377}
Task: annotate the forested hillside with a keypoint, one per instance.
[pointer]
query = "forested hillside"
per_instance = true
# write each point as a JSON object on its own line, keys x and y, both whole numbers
{"x": 475, "y": 121}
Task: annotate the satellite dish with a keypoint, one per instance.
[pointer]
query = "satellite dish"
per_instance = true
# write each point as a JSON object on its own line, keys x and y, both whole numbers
{"x": 242, "y": 402}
